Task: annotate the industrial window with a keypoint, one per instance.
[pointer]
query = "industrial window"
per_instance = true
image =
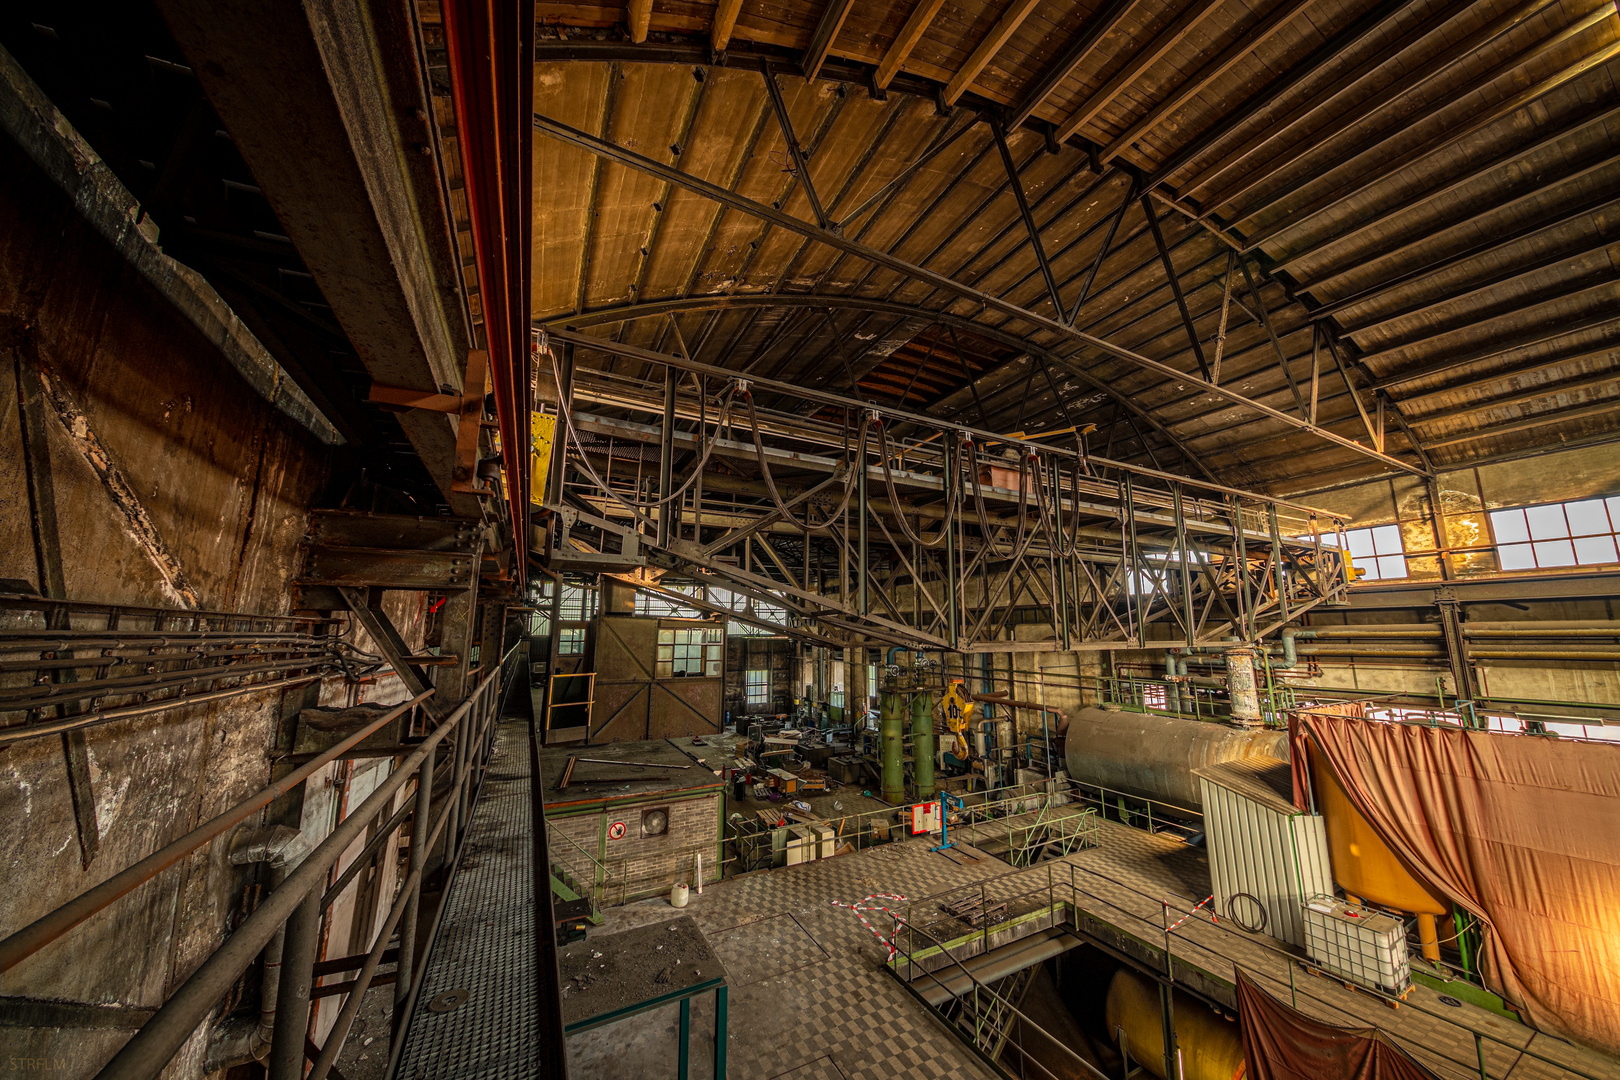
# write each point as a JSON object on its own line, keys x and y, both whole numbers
{"x": 578, "y": 604}
{"x": 871, "y": 681}
{"x": 761, "y": 610}
{"x": 648, "y": 604}
{"x": 757, "y": 688}
{"x": 571, "y": 641}
{"x": 686, "y": 653}
{"x": 1557, "y": 534}
{"x": 1377, "y": 551}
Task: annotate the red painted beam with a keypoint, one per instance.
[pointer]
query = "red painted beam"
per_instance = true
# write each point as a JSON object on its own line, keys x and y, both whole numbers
{"x": 491, "y": 52}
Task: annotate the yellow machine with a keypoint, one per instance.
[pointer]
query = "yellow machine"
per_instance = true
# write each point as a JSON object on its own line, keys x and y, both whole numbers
{"x": 958, "y": 710}
{"x": 1211, "y": 1048}
{"x": 1365, "y": 866}
{"x": 542, "y": 431}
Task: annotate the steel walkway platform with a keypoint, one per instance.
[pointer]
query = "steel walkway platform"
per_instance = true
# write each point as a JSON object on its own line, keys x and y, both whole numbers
{"x": 477, "y": 1015}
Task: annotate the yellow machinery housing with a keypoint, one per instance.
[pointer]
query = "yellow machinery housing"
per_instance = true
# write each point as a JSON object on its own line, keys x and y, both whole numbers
{"x": 957, "y": 709}
{"x": 1211, "y": 1047}
{"x": 1363, "y": 864}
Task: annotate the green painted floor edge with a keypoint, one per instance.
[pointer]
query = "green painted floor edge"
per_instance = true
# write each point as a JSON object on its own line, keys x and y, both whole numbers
{"x": 1468, "y": 992}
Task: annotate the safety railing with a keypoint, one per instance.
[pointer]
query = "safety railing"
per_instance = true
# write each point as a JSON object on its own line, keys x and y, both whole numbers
{"x": 981, "y": 1000}
{"x": 292, "y": 913}
{"x": 1200, "y": 916}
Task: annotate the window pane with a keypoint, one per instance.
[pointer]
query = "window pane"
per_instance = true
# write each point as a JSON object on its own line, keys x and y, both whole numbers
{"x": 1509, "y": 526}
{"x": 1555, "y": 553}
{"x": 1587, "y": 518}
{"x": 1546, "y": 523}
{"x": 1387, "y": 540}
{"x": 1360, "y": 541}
{"x": 1614, "y": 510}
{"x": 1391, "y": 566}
{"x": 1517, "y": 557}
{"x": 1593, "y": 550}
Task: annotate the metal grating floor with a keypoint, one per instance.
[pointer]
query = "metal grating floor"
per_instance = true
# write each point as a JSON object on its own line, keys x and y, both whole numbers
{"x": 486, "y": 940}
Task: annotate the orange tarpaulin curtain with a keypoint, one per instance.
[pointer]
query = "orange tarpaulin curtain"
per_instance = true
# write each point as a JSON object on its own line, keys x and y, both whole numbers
{"x": 1280, "y": 1043}
{"x": 1521, "y": 831}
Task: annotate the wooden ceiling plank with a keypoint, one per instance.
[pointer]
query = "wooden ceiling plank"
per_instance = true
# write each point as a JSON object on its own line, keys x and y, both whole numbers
{"x": 1098, "y": 27}
{"x": 1379, "y": 18}
{"x": 1009, "y": 22}
{"x": 725, "y": 21}
{"x": 638, "y": 14}
{"x": 1168, "y": 39}
{"x": 1191, "y": 88}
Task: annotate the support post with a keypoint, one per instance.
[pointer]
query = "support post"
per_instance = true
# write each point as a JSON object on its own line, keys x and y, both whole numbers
{"x": 421, "y": 820}
{"x": 292, "y": 1000}
{"x": 668, "y": 509}
{"x": 720, "y": 1033}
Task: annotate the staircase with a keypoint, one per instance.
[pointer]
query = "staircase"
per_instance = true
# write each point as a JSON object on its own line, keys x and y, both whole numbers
{"x": 988, "y": 1018}
{"x": 572, "y": 904}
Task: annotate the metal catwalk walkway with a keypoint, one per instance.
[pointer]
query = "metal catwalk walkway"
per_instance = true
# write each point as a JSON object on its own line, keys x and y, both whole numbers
{"x": 485, "y": 951}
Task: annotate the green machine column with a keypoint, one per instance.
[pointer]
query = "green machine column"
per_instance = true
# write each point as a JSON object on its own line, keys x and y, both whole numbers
{"x": 922, "y": 742}
{"x": 891, "y": 731}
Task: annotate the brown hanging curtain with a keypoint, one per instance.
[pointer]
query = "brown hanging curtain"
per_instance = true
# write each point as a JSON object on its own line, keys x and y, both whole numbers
{"x": 1281, "y": 1043}
{"x": 1521, "y": 831}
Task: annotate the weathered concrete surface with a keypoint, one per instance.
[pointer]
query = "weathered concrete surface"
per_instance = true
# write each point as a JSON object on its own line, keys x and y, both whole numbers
{"x": 178, "y": 482}
{"x": 332, "y": 169}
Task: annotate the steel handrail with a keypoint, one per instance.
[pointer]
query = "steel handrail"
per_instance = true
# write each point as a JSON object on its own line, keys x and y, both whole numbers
{"x": 1307, "y": 963}
{"x": 977, "y": 984}
{"x": 155, "y": 1044}
{"x": 47, "y": 928}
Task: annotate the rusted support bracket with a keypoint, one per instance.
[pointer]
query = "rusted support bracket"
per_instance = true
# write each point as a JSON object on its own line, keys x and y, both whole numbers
{"x": 366, "y": 604}
{"x": 52, "y": 584}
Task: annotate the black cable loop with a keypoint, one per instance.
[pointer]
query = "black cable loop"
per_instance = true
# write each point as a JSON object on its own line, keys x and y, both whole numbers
{"x": 770, "y": 482}
{"x": 953, "y": 489}
{"x": 634, "y": 506}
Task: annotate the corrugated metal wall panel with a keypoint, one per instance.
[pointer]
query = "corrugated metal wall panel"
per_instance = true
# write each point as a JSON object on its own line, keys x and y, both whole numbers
{"x": 1279, "y": 859}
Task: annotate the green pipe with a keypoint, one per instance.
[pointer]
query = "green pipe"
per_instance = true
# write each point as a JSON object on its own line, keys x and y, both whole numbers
{"x": 922, "y": 742}
{"x": 891, "y": 731}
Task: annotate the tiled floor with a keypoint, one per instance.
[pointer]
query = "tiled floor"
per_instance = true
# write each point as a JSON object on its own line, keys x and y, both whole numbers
{"x": 811, "y": 998}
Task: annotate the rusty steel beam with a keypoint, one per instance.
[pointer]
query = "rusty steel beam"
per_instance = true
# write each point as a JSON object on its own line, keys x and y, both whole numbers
{"x": 1017, "y": 184}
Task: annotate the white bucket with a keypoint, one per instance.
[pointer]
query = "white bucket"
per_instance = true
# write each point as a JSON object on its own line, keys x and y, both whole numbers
{"x": 678, "y": 895}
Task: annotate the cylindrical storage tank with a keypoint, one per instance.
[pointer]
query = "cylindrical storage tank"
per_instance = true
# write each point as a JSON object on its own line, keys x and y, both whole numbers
{"x": 1154, "y": 756}
{"x": 891, "y": 734}
{"x": 1365, "y": 867}
{"x": 1240, "y": 683}
{"x": 1211, "y": 1048}
{"x": 922, "y": 742}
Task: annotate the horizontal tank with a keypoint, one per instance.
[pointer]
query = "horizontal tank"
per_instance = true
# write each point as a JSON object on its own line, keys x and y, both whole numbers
{"x": 1154, "y": 757}
{"x": 1211, "y": 1047}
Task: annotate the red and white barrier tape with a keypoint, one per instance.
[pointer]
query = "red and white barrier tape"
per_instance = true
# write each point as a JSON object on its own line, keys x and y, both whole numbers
{"x": 1206, "y": 900}
{"x": 860, "y": 907}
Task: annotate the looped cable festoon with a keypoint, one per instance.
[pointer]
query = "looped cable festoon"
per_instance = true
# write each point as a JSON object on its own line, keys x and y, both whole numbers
{"x": 637, "y": 507}
{"x": 770, "y": 481}
{"x": 953, "y": 493}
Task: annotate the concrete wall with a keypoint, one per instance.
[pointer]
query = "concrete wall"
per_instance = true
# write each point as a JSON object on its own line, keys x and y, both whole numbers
{"x": 180, "y": 484}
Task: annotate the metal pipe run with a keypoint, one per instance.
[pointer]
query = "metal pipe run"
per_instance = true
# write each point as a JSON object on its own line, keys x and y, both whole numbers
{"x": 47, "y": 928}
